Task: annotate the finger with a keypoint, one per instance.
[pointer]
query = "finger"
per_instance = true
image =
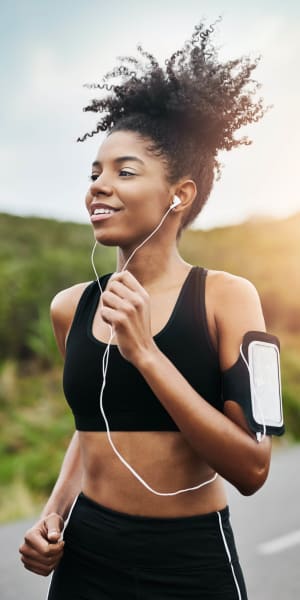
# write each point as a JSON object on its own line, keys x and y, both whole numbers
{"x": 117, "y": 286}
{"x": 127, "y": 279}
{"x": 111, "y": 300}
{"x": 35, "y": 542}
{"x": 39, "y": 569}
{"x": 54, "y": 525}
{"x": 122, "y": 305}
{"x": 113, "y": 317}
{"x": 118, "y": 290}
{"x": 42, "y": 561}
{"x": 35, "y": 539}
{"x": 49, "y": 553}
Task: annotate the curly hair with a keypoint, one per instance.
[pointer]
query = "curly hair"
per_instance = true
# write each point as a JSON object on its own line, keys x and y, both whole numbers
{"x": 188, "y": 111}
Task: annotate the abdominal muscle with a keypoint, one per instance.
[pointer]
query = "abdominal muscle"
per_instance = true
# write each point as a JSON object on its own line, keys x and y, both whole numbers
{"x": 163, "y": 459}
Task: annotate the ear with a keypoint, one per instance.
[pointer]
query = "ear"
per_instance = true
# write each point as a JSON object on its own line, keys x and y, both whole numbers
{"x": 186, "y": 190}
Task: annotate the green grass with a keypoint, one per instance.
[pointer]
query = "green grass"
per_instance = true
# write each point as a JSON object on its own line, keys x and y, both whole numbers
{"x": 36, "y": 427}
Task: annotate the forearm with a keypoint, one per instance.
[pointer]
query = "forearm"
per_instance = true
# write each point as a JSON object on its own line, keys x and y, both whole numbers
{"x": 225, "y": 446}
{"x": 68, "y": 484}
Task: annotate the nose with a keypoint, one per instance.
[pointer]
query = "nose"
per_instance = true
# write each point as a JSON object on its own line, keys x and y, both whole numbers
{"x": 101, "y": 187}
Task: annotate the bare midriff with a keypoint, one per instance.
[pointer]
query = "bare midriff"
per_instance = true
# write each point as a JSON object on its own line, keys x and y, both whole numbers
{"x": 163, "y": 459}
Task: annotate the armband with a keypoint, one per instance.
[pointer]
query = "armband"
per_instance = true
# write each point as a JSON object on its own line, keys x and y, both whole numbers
{"x": 254, "y": 382}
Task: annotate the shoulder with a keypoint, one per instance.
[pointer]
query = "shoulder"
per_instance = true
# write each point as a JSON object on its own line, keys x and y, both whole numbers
{"x": 236, "y": 308}
{"x": 62, "y": 310}
{"x": 226, "y": 288}
{"x": 65, "y": 302}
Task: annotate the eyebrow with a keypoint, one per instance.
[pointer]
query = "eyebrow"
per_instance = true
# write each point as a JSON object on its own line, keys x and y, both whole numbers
{"x": 120, "y": 159}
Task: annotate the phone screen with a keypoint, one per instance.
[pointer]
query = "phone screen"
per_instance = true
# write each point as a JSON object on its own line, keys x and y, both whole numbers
{"x": 264, "y": 365}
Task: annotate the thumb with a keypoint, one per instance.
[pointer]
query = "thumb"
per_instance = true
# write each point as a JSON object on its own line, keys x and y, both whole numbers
{"x": 54, "y": 525}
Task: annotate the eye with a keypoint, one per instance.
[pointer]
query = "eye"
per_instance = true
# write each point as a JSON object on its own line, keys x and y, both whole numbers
{"x": 93, "y": 177}
{"x": 125, "y": 173}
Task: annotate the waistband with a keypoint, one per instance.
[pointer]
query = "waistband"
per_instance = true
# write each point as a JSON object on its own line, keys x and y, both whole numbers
{"x": 206, "y": 519}
{"x": 98, "y": 533}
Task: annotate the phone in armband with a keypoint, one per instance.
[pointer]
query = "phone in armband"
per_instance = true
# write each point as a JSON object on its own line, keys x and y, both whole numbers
{"x": 254, "y": 382}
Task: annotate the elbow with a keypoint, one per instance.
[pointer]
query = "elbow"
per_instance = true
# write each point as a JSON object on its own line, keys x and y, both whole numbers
{"x": 257, "y": 470}
{"x": 256, "y": 473}
{"x": 251, "y": 487}
{"x": 254, "y": 481}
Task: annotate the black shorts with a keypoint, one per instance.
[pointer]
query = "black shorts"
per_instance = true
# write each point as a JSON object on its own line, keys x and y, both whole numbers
{"x": 114, "y": 556}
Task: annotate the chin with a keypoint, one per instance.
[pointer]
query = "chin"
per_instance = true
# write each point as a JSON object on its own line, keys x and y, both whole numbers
{"x": 127, "y": 239}
{"x": 109, "y": 238}
{"x": 105, "y": 240}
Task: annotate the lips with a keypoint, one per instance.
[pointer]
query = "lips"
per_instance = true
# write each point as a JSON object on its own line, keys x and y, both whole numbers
{"x": 100, "y": 211}
{"x": 102, "y": 208}
{"x": 103, "y": 211}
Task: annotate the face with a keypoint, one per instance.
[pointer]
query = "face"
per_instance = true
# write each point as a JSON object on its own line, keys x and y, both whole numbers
{"x": 129, "y": 192}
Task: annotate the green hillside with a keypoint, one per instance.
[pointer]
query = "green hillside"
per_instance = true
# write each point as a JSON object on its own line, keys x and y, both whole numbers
{"x": 38, "y": 257}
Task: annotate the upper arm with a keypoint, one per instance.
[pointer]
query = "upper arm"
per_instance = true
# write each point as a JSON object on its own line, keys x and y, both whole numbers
{"x": 62, "y": 310}
{"x": 238, "y": 310}
{"x": 235, "y": 309}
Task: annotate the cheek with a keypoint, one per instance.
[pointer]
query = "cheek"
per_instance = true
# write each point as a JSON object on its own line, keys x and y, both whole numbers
{"x": 151, "y": 200}
{"x": 146, "y": 212}
{"x": 87, "y": 200}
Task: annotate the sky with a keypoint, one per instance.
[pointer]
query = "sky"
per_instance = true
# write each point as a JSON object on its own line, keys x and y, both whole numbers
{"x": 49, "y": 49}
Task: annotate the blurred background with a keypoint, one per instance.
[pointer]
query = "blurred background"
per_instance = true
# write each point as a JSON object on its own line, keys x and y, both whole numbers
{"x": 250, "y": 226}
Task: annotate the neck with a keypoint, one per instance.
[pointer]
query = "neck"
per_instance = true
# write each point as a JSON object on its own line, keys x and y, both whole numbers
{"x": 151, "y": 262}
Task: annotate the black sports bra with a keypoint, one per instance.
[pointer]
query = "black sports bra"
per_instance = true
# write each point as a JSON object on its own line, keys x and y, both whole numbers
{"x": 129, "y": 403}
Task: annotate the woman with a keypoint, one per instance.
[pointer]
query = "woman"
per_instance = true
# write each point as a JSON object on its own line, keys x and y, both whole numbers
{"x": 150, "y": 518}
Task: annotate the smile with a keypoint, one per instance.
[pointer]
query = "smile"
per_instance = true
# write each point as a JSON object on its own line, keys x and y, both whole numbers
{"x": 100, "y": 211}
{"x": 103, "y": 211}
{"x": 101, "y": 214}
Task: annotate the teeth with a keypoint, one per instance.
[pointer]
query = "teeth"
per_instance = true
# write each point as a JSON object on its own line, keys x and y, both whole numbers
{"x": 103, "y": 211}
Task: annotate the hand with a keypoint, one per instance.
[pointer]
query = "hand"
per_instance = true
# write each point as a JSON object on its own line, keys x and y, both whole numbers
{"x": 42, "y": 548}
{"x": 126, "y": 307}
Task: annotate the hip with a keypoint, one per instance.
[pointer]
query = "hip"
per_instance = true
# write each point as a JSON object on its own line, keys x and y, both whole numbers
{"x": 110, "y": 554}
{"x": 142, "y": 541}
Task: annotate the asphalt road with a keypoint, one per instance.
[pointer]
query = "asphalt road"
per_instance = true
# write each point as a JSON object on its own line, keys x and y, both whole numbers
{"x": 267, "y": 531}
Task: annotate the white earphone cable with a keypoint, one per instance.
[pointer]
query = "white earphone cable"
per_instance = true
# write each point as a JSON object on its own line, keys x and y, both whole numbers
{"x": 104, "y": 374}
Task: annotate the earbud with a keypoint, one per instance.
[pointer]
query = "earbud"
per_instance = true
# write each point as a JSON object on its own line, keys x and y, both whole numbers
{"x": 175, "y": 202}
